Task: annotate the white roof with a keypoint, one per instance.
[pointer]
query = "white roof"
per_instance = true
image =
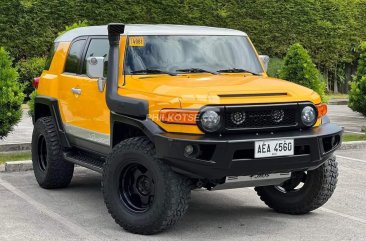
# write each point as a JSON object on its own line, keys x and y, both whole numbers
{"x": 149, "y": 29}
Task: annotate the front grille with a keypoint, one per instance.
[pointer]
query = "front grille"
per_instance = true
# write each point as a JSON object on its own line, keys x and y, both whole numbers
{"x": 261, "y": 117}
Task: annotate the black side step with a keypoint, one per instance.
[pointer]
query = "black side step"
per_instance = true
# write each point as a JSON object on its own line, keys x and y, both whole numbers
{"x": 93, "y": 163}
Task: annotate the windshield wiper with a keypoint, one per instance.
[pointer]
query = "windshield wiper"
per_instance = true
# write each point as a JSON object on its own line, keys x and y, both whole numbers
{"x": 236, "y": 70}
{"x": 152, "y": 71}
{"x": 196, "y": 70}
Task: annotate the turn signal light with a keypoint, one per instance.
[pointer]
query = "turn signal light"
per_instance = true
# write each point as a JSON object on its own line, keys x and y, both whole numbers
{"x": 322, "y": 110}
{"x": 178, "y": 116}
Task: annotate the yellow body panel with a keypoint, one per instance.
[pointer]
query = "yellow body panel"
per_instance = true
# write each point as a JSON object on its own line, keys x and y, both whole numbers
{"x": 192, "y": 91}
{"x": 88, "y": 110}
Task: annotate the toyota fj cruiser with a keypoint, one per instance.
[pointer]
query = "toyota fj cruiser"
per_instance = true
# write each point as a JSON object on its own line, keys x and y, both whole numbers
{"x": 160, "y": 110}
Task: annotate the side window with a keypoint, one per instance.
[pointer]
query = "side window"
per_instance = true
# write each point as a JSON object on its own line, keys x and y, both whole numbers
{"x": 97, "y": 48}
{"x": 74, "y": 57}
{"x": 50, "y": 56}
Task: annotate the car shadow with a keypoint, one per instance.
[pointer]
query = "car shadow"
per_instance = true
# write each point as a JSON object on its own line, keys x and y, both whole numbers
{"x": 216, "y": 212}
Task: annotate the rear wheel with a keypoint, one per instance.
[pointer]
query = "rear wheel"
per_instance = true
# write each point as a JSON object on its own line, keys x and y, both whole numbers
{"x": 141, "y": 192}
{"x": 50, "y": 168}
{"x": 304, "y": 192}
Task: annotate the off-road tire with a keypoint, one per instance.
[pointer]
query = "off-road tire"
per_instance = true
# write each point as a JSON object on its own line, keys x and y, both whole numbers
{"x": 320, "y": 185}
{"x": 57, "y": 173}
{"x": 172, "y": 191}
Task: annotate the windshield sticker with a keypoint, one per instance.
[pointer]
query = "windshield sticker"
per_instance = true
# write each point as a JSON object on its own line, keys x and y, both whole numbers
{"x": 136, "y": 41}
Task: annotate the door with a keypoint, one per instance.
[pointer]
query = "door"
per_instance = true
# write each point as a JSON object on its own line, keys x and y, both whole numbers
{"x": 84, "y": 110}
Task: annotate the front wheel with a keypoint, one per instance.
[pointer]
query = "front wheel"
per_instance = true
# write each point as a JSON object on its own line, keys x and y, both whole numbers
{"x": 141, "y": 192}
{"x": 304, "y": 192}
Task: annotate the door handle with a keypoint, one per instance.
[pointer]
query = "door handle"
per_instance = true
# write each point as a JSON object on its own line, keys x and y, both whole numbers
{"x": 76, "y": 91}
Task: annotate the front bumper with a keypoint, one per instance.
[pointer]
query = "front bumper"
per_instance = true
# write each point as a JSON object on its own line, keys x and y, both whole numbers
{"x": 233, "y": 155}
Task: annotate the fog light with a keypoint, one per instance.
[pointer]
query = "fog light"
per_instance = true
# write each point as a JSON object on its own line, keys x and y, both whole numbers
{"x": 278, "y": 115}
{"x": 238, "y": 117}
{"x": 188, "y": 150}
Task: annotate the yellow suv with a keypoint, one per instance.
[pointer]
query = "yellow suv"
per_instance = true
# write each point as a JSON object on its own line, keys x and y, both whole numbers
{"x": 160, "y": 110}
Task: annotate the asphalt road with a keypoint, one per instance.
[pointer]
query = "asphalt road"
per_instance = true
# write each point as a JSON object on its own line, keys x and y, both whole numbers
{"x": 28, "y": 212}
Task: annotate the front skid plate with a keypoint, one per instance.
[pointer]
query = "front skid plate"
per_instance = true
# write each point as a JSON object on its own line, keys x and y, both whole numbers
{"x": 253, "y": 181}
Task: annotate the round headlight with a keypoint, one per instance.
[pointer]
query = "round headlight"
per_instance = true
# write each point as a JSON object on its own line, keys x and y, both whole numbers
{"x": 210, "y": 121}
{"x": 308, "y": 116}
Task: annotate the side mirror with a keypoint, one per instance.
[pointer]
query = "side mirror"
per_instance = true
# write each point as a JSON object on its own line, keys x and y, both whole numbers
{"x": 265, "y": 60}
{"x": 95, "y": 69}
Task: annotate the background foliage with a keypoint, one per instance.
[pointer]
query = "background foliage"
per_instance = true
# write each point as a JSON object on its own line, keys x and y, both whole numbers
{"x": 299, "y": 68}
{"x": 28, "y": 69}
{"x": 11, "y": 95}
{"x": 357, "y": 96}
{"x": 274, "y": 67}
{"x": 330, "y": 30}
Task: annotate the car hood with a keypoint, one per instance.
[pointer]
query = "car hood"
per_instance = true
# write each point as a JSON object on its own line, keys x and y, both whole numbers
{"x": 197, "y": 89}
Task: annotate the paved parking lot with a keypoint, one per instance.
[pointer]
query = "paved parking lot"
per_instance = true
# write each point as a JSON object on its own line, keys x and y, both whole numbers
{"x": 353, "y": 122}
{"x": 28, "y": 212}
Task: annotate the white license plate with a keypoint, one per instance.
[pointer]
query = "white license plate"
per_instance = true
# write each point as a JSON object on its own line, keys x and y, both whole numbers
{"x": 274, "y": 148}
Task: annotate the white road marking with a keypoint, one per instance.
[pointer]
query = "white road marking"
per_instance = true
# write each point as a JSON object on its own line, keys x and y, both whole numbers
{"x": 74, "y": 228}
{"x": 352, "y": 159}
{"x": 346, "y": 123}
{"x": 343, "y": 215}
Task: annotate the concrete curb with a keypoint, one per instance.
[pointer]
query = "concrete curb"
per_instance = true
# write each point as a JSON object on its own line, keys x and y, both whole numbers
{"x": 18, "y": 166}
{"x": 15, "y": 147}
{"x": 351, "y": 145}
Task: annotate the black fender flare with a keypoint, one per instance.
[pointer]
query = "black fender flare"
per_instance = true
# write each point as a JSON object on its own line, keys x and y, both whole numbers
{"x": 146, "y": 126}
{"x": 48, "y": 106}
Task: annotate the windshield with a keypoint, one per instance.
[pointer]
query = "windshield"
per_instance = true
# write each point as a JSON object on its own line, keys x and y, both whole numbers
{"x": 190, "y": 54}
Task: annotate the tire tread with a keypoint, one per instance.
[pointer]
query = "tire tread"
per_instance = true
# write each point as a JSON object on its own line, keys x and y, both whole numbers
{"x": 326, "y": 184}
{"x": 179, "y": 189}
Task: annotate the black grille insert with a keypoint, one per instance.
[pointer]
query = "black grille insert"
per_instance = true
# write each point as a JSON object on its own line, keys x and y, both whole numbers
{"x": 258, "y": 117}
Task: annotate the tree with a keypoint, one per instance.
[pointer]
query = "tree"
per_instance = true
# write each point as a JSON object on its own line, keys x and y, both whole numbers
{"x": 299, "y": 68}
{"x": 357, "y": 95}
{"x": 11, "y": 95}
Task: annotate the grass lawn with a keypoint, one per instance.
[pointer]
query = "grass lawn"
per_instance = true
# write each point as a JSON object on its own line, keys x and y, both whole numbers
{"x": 353, "y": 137}
{"x": 337, "y": 96}
{"x": 14, "y": 156}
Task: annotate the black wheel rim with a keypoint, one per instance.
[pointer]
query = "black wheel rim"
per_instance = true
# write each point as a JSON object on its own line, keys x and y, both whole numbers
{"x": 295, "y": 184}
{"x": 137, "y": 188}
{"x": 42, "y": 153}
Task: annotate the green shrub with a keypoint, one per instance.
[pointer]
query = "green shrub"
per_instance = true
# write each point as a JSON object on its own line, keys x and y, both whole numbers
{"x": 274, "y": 67}
{"x": 299, "y": 68}
{"x": 32, "y": 96}
{"x": 357, "y": 95}
{"x": 29, "y": 69}
{"x": 11, "y": 95}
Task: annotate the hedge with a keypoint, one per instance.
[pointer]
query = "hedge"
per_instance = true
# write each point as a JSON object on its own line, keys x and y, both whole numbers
{"x": 329, "y": 29}
{"x": 28, "y": 69}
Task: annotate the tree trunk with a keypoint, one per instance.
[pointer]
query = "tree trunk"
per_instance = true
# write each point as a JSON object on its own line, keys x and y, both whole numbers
{"x": 335, "y": 86}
